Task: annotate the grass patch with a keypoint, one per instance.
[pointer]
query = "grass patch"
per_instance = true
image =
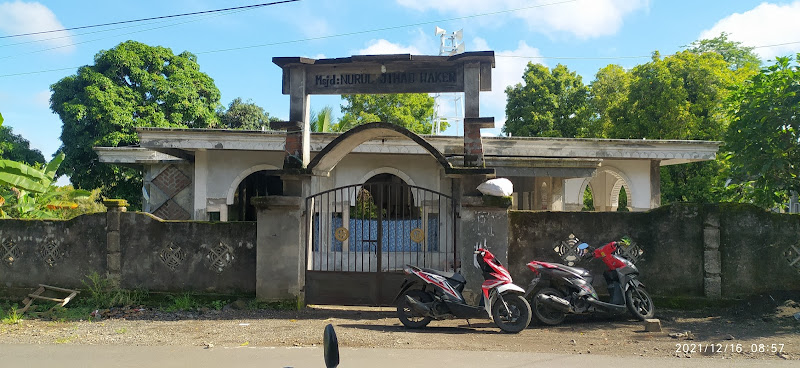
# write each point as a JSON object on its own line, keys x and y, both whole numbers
{"x": 102, "y": 294}
{"x": 121, "y": 331}
{"x": 183, "y": 302}
{"x": 12, "y": 317}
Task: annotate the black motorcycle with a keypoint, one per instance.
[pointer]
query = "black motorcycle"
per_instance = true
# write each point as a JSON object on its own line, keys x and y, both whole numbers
{"x": 558, "y": 290}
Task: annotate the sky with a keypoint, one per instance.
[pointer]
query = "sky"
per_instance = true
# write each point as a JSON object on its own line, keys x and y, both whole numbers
{"x": 236, "y": 48}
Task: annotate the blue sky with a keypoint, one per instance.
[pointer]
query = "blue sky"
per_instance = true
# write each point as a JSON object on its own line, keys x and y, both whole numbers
{"x": 236, "y": 48}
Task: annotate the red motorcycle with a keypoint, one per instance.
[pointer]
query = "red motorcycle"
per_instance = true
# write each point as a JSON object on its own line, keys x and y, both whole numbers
{"x": 428, "y": 294}
{"x": 558, "y": 290}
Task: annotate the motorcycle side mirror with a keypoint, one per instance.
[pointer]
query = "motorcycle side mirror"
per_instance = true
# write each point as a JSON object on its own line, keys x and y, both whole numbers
{"x": 583, "y": 246}
{"x": 330, "y": 347}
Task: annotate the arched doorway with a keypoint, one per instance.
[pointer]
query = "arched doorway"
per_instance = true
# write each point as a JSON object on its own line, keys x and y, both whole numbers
{"x": 608, "y": 191}
{"x": 257, "y": 184}
{"x": 363, "y": 234}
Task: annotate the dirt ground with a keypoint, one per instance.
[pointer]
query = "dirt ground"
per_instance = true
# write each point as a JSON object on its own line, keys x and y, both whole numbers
{"x": 759, "y": 328}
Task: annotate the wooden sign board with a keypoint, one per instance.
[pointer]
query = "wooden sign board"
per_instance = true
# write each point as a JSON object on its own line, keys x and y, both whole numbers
{"x": 386, "y": 74}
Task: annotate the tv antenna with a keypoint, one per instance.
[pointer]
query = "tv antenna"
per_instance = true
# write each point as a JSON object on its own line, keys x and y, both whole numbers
{"x": 449, "y": 44}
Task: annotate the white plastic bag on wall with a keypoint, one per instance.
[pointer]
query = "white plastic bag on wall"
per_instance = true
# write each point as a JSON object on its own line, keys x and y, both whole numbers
{"x": 500, "y": 187}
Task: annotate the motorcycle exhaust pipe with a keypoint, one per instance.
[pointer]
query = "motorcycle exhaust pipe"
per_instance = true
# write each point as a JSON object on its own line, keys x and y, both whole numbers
{"x": 418, "y": 307}
{"x": 555, "y": 302}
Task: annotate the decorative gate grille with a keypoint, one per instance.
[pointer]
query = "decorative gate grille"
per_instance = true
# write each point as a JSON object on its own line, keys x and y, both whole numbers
{"x": 365, "y": 233}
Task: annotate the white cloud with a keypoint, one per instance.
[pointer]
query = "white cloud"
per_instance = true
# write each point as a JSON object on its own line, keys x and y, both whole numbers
{"x": 766, "y": 24}
{"x": 382, "y": 47}
{"x": 20, "y": 17}
{"x": 581, "y": 18}
{"x": 42, "y": 99}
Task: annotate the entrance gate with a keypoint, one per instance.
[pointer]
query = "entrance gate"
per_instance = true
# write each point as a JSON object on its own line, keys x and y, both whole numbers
{"x": 361, "y": 236}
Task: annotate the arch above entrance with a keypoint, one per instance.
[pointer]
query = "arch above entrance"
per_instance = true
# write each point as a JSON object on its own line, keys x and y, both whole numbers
{"x": 326, "y": 160}
{"x": 242, "y": 176}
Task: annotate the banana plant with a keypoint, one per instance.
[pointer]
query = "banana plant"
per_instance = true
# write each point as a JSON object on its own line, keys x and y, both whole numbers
{"x": 30, "y": 190}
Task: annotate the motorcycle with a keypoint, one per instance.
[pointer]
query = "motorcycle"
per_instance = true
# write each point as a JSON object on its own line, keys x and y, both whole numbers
{"x": 428, "y": 294}
{"x": 558, "y": 290}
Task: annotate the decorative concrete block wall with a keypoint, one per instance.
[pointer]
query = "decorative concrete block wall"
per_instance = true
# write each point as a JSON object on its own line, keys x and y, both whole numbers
{"x": 717, "y": 250}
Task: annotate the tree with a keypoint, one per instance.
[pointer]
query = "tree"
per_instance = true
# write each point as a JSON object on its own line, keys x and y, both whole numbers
{"x": 131, "y": 85}
{"x": 734, "y": 53}
{"x": 412, "y": 111}
{"x": 321, "y": 120}
{"x": 244, "y": 115}
{"x": 548, "y": 104}
{"x": 763, "y": 138}
{"x": 677, "y": 97}
{"x": 16, "y": 148}
{"x": 608, "y": 93}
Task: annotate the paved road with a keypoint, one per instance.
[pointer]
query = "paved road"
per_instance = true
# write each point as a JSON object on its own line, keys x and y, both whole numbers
{"x": 116, "y": 356}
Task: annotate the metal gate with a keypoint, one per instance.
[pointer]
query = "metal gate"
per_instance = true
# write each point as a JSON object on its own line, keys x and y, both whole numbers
{"x": 361, "y": 236}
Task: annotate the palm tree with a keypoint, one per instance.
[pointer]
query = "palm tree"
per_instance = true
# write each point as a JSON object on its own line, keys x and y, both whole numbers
{"x": 321, "y": 120}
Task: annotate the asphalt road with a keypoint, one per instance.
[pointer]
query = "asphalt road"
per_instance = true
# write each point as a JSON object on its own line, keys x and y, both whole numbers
{"x": 120, "y": 356}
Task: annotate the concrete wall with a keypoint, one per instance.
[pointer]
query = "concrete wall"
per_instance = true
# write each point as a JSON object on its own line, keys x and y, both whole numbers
{"x": 59, "y": 253}
{"x": 753, "y": 249}
{"x": 153, "y": 254}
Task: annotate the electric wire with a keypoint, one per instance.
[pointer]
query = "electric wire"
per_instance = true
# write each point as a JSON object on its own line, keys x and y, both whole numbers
{"x": 124, "y": 34}
{"x": 392, "y": 28}
{"x": 151, "y": 18}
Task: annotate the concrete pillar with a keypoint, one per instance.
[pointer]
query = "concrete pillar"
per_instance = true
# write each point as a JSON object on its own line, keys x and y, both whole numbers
{"x": 712, "y": 260}
{"x": 557, "y": 194}
{"x": 298, "y": 136}
{"x": 200, "y": 185}
{"x": 655, "y": 184}
{"x": 114, "y": 209}
{"x": 281, "y": 242}
{"x": 473, "y": 145}
{"x": 482, "y": 224}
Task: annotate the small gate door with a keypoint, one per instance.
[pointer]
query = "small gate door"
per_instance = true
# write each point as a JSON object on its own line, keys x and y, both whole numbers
{"x": 361, "y": 236}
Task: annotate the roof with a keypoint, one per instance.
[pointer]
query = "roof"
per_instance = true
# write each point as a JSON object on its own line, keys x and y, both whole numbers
{"x": 669, "y": 152}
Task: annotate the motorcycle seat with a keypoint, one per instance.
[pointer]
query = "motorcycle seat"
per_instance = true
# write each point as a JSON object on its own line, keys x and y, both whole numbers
{"x": 449, "y": 275}
{"x": 576, "y": 270}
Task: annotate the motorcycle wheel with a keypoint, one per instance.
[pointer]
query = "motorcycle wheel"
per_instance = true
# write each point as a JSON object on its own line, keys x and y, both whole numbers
{"x": 545, "y": 314}
{"x": 639, "y": 303}
{"x": 519, "y": 317}
{"x": 407, "y": 316}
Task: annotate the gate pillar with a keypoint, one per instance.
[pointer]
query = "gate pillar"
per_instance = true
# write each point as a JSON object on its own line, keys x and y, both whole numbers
{"x": 483, "y": 223}
{"x": 281, "y": 243}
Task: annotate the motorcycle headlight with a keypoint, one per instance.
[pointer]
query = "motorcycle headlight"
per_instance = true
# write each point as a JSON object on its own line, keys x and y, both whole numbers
{"x": 407, "y": 270}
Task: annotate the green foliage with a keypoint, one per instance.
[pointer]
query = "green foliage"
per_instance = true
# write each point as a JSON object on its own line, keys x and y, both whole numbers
{"x": 16, "y": 148}
{"x": 588, "y": 200}
{"x": 131, "y": 85}
{"x": 622, "y": 204}
{"x": 365, "y": 207}
{"x": 218, "y": 304}
{"x": 11, "y": 317}
{"x": 244, "y": 116}
{"x": 28, "y": 192}
{"x": 412, "y": 111}
{"x": 677, "y": 97}
{"x": 734, "y": 53}
{"x": 183, "y": 302}
{"x": 764, "y": 135}
{"x": 102, "y": 294}
{"x": 548, "y": 104}
{"x": 321, "y": 120}
{"x": 608, "y": 96}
